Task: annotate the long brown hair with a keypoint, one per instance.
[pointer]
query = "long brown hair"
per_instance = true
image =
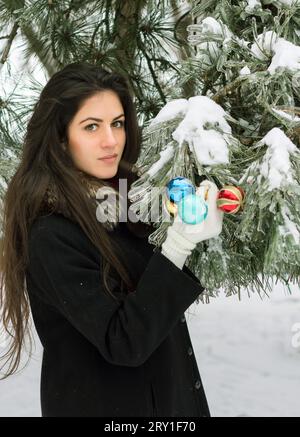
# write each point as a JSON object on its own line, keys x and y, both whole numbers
{"x": 45, "y": 163}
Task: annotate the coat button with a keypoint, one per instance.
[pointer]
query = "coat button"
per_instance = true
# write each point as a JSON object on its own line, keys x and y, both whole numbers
{"x": 183, "y": 318}
{"x": 190, "y": 351}
{"x": 198, "y": 385}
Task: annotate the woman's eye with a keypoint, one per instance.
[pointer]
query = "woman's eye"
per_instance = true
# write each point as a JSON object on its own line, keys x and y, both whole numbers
{"x": 89, "y": 125}
{"x": 122, "y": 123}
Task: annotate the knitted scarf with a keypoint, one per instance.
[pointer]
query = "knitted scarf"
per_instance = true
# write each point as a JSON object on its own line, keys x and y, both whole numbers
{"x": 106, "y": 211}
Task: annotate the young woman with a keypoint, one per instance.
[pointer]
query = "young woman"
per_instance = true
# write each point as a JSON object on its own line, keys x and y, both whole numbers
{"x": 108, "y": 308}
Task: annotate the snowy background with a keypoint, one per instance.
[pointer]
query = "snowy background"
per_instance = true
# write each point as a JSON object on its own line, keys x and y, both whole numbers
{"x": 248, "y": 353}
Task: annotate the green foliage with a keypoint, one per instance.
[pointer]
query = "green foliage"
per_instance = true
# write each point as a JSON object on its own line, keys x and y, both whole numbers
{"x": 137, "y": 38}
{"x": 172, "y": 50}
{"x": 262, "y": 242}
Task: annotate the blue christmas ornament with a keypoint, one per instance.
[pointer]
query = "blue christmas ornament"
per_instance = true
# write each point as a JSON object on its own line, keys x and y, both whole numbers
{"x": 179, "y": 187}
{"x": 192, "y": 209}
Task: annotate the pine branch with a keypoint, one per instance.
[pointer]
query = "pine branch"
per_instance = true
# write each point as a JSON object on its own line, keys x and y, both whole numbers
{"x": 185, "y": 52}
{"x": 7, "y": 48}
{"x": 155, "y": 80}
{"x": 95, "y": 33}
{"x": 293, "y": 110}
{"x": 228, "y": 89}
{"x": 37, "y": 47}
{"x": 106, "y": 19}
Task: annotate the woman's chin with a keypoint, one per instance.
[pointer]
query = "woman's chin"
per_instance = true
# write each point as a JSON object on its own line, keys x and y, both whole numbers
{"x": 105, "y": 174}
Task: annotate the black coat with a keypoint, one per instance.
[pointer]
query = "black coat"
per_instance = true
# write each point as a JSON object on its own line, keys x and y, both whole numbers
{"x": 101, "y": 357}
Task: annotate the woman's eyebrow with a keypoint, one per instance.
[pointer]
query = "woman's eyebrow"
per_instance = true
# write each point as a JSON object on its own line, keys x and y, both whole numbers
{"x": 99, "y": 119}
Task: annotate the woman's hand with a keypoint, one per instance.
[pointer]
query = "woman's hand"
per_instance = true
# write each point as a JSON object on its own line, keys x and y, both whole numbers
{"x": 182, "y": 238}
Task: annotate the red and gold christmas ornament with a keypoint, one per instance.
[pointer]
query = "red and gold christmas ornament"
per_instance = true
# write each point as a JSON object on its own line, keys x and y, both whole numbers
{"x": 230, "y": 199}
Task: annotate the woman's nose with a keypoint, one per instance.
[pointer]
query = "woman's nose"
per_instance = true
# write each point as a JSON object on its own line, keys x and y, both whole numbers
{"x": 108, "y": 137}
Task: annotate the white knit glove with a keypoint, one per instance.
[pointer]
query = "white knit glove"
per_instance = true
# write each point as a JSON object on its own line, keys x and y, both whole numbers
{"x": 182, "y": 238}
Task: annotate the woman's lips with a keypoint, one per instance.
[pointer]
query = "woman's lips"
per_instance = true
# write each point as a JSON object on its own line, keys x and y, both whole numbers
{"x": 109, "y": 160}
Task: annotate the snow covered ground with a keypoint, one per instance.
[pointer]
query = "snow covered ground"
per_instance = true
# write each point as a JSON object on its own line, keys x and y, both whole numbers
{"x": 248, "y": 354}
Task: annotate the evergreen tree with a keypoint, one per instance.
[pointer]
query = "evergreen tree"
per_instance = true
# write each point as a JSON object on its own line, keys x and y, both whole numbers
{"x": 217, "y": 86}
{"x": 141, "y": 39}
{"x": 241, "y": 127}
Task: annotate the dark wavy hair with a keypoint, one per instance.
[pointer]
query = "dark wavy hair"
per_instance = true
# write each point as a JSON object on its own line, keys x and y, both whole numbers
{"x": 45, "y": 163}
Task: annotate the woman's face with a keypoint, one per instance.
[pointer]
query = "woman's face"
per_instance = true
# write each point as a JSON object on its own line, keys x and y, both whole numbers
{"x": 96, "y": 131}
